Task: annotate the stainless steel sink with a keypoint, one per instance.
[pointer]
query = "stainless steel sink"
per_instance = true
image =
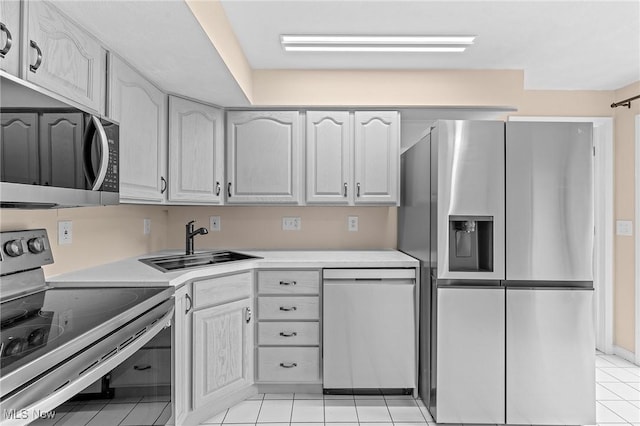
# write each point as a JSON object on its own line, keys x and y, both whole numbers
{"x": 197, "y": 260}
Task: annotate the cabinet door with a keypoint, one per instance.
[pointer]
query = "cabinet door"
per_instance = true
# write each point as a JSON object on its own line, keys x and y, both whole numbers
{"x": 222, "y": 351}
{"x": 60, "y": 150}
{"x": 10, "y": 36}
{"x": 263, "y": 157}
{"x": 377, "y": 158}
{"x": 181, "y": 363}
{"x": 328, "y": 157}
{"x": 72, "y": 62}
{"x": 141, "y": 110}
{"x": 19, "y": 148}
{"x": 196, "y": 150}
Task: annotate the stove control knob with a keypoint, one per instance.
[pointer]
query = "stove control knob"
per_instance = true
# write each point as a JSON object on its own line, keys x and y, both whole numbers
{"x": 13, "y": 248}
{"x": 36, "y": 245}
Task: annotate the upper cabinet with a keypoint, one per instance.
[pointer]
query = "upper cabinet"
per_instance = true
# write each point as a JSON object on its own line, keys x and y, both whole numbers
{"x": 377, "y": 157}
{"x": 141, "y": 110}
{"x": 62, "y": 57}
{"x": 263, "y": 157}
{"x": 353, "y": 158}
{"x": 196, "y": 152}
{"x": 329, "y": 146}
{"x": 10, "y": 36}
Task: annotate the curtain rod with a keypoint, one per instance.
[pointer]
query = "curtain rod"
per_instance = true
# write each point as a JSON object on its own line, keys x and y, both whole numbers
{"x": 626, "y": 102}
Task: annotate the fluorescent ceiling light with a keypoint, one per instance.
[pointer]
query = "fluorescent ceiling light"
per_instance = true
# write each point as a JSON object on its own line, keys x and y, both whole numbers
{"x": 313, "y": 43}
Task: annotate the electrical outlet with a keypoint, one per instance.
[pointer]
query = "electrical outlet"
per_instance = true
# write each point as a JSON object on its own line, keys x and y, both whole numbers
{"x": 291, "y": 223}
{"x": 65, "y": 232}
{"x": 352, "y": 223}
{"x": 214, "y": 223}
{"x": 146, "y": 226}
{"x": 624, "y": 227}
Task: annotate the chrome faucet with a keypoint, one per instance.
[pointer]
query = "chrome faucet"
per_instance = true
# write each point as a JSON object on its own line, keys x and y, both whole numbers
{"x": 190, "y": 233}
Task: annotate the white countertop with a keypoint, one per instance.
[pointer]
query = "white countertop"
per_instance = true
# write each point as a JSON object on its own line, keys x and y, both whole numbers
{"x": 132, "y": 272}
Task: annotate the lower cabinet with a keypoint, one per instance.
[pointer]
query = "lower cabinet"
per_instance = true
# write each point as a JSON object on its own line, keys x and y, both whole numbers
{"x": 288, "y": 327}
{"x": 213, "y": 346}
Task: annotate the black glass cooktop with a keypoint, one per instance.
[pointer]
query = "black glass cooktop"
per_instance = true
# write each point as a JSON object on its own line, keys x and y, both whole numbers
{"x": 33, "y": 325}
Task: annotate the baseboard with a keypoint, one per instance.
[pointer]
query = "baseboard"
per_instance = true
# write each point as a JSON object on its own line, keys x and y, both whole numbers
{"x": 624, "y": 354}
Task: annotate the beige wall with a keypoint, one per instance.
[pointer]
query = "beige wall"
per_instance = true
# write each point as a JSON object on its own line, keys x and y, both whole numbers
{"x": 624, "y": 290}
{"x": 261, "y": 227}
{"x": 100, "y": 234}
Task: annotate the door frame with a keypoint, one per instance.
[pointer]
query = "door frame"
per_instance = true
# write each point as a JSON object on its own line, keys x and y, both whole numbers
{"x": 637, "y": 238}
{"x": 603, "y": 224}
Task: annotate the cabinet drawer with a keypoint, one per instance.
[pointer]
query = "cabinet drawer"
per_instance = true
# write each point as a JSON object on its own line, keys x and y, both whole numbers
{"x": 288, "y": 333}
{"x": 288, "y": 364}
{"x": 146, "y": 367}
{"x": 288, "y": 308}
{"x": 216, "y": 291}
{"x": 288, "y": 282}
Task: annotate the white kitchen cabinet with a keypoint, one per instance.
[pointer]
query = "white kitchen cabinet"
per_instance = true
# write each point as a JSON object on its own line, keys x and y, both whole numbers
{"x": 196, "y": 152}
{"x": 181, "y": 355}
{"x": 222, "y": 351}
{"x": 10, "y": 36}
{"x": 141, "y": 110}
{"x": 289, "y": 327}
{"x": 329, "y": 165}
{"x": 263, "y": 157}
{"x": 377, "y": 157}
{"x": 62, "y": 57}
{"x": 350, "y": 166}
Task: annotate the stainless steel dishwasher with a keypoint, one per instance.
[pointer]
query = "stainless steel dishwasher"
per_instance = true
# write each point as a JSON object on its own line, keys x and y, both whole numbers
{"x": 369, "y": 329}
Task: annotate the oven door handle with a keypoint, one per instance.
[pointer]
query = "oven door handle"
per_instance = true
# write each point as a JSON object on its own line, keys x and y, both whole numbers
{"x": 95, "y": 127}
{"x": 79, "y": 384}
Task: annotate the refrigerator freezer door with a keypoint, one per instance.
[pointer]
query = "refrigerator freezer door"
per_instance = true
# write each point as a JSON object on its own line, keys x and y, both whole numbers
{"x": 470, "y": 355}
{"x": 550, "y": 357}
{"x": 549, "y": 187}
{"x": 470, "y": 183}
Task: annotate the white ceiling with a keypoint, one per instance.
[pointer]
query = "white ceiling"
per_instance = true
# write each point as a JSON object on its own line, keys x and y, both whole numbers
{"x": 559, "y": 44}
{"x": 565, "y": 45}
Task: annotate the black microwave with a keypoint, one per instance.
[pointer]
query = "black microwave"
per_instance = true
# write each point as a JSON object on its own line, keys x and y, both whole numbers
{"x": 53, "y": 154}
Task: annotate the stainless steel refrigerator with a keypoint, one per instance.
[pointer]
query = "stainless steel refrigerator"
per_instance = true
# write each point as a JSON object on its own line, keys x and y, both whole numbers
{"x": 505, "y": 239}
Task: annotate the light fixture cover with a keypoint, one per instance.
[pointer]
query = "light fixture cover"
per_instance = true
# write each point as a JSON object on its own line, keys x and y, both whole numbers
{"x": 360, "y": 43}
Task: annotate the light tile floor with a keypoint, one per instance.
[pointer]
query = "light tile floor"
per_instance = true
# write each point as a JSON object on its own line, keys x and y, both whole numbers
{"x": 617, "y": 403}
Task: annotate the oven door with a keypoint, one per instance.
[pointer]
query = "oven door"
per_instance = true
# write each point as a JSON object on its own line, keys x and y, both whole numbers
{"x": 52, "y": 388}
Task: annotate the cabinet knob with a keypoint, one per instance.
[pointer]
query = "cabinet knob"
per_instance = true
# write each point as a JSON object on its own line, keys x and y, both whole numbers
{"x": 247, "y": 315}
{"x": 33, "y": 68}
{"x": 229, "y": 189}
{"x": 163, "y": 187}
{"x": 186, "y": 311}
{"x": 8, "y": 43}
{"x": 358, "y": 189}
{"x": 345, "y": 189}
{"x": 217, "y": 188}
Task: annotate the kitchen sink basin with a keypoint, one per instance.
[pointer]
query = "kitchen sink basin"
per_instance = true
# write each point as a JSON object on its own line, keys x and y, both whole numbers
{"x": 197, "y": 260}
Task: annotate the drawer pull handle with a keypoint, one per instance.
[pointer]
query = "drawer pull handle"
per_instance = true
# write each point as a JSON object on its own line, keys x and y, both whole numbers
{"x": 288, "y": 283}
{"x": 141, "y": 367}
{"x": 291, "y": 334}
{"x": 7, "y": 44}
{"x": 288, "y": 365}
{"x": 283, "y": 308}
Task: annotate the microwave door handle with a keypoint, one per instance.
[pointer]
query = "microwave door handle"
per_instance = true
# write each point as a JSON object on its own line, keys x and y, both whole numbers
{"x": 104, "y": 161}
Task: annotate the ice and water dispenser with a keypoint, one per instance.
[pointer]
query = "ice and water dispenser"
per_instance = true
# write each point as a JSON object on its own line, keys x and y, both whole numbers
{"x": 471, "y": 243}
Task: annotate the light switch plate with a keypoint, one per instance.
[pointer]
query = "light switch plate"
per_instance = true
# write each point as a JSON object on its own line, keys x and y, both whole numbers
{"x": 624, "y": 227}
{"x": 291, "y": 223}
{"x": 214, "y": 223}
{"x": 65, "y": 232}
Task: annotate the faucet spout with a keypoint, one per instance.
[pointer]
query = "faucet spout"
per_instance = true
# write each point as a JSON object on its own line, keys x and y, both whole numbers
{"x": 190, "y": 233}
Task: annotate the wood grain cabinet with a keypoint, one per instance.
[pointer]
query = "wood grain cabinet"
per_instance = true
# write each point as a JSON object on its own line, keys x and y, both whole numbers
{"x": 263, "y": 157}
{"x": 353, "y": 158}
{"x": 196, "y": 152}
{"x": 62, "y": 57}
{"x": 10, "y": 36}
{"x": 213, "y": 346}
{"x": 289, "y": 327}
{"x": 141, "y": 110}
